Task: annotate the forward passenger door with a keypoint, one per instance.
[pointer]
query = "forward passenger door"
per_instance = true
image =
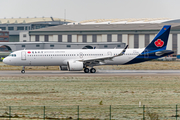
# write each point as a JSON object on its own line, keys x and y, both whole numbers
{"x": 23, "y": 55}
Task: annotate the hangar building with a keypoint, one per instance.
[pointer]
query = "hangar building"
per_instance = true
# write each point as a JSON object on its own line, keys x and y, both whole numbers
{"x": 135, "y": 35}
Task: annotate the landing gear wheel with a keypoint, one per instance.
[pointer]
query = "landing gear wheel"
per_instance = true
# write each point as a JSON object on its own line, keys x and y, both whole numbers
{"x": 86, "y": 70}
{"x": 93, "y": 70}
{"x": 22, "y": 71}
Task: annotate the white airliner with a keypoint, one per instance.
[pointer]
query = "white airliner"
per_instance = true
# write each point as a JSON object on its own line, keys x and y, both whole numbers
{"x": 79, "y": 59}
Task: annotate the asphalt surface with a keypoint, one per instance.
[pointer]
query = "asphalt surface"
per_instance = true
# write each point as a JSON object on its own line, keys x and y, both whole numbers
{"x": 98, "y": 73}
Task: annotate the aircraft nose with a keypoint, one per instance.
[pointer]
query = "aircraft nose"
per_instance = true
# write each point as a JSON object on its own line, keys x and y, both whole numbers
{"x": 5, "y": 61}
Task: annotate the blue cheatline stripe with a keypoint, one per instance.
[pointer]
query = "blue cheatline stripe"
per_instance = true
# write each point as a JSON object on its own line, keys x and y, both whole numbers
{"x": 153, "y": 51}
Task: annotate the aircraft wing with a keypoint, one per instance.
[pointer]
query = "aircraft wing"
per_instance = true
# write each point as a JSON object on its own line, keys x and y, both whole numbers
{"x": 101, "y": 59}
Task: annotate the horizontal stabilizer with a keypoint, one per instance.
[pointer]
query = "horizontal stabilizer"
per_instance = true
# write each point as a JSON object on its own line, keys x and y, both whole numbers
{"x": 160, "y": 53}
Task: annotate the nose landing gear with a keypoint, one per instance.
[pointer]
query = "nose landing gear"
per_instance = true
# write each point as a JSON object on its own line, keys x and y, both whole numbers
{"x": 23, "y": 70}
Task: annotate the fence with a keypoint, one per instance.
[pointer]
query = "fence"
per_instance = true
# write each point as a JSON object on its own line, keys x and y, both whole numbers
{"x": 100, "y": 112}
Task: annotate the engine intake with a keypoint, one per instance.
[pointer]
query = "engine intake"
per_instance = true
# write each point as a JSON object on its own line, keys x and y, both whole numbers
{"x": 74, "y": 65}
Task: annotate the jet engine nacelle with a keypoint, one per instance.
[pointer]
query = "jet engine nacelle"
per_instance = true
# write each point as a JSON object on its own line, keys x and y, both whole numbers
{"x": 75, "y": 65}
{"x": 63, "y": 68}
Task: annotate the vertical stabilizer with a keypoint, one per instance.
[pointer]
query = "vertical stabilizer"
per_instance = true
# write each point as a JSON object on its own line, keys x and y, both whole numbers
{"x": 161, "y": 39}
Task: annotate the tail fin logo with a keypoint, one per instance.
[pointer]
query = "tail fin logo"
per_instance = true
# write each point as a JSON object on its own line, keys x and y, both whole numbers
{"x": 159, "y": 43}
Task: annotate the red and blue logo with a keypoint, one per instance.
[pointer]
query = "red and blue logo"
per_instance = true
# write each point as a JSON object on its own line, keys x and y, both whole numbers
{"x": 159, "y": 43}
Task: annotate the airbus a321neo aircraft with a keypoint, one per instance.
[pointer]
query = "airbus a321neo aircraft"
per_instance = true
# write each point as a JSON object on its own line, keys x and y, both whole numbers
{"x": 79, "y": 59}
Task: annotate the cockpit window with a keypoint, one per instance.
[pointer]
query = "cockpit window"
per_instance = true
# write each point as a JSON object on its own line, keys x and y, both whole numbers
{"x": 12, "y": 55}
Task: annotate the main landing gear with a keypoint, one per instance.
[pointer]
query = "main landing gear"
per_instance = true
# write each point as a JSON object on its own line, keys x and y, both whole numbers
{"x": 92, "y": 70}
{"x": 23, "y": 70}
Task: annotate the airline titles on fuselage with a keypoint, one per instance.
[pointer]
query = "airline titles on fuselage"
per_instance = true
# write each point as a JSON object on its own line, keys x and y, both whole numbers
{"x": 63, "y": 53}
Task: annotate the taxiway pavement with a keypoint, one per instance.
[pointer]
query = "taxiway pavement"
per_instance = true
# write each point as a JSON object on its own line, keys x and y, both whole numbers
{"x": 98, "y": 73}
